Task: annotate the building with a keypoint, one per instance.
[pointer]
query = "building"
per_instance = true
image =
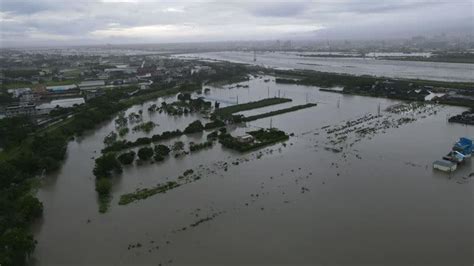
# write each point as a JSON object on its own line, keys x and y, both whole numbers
{"x": 91, "y": 94}
{"x": 62, "y": 88}
{"x": 125, "y": 70}
{"x": 16, "y": 93}
{"x": 46, "y": 108}
{"x": 91, "y": 85}
{"x": 464, "y": 146}
{"x": 246, "y": 138}
{"x": 28, "y": 109}
{"x": 444, "y": 165}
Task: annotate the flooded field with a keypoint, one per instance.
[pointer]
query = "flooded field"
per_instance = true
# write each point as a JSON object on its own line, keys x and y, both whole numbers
{"x": 353, "y": 185}
{"x": 355, "y": 66}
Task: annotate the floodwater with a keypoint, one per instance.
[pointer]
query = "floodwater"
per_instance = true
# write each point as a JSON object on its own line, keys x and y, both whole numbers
{"x": 377, "y": 202}
{"x": 354, "y": 66}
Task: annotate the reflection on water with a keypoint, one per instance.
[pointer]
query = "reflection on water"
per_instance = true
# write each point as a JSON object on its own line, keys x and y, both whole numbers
{"x": 355, "y": 66}
{"x": 379, "y": 201}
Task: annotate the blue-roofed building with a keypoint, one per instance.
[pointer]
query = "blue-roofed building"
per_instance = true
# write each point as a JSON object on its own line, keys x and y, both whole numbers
{"x": 464, "y": 146}
{"x": 62, "y": 88}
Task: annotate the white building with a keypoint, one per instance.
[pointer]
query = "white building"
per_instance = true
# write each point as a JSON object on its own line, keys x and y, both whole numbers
{"x": 46, "y": 108}
{"x": 246, "y": 138}
{"x": 445, "y": 165}
{"x": 91, "y": 84}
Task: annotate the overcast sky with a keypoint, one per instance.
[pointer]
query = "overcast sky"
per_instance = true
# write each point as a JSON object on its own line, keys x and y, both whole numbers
{"x": 44, "y": 22}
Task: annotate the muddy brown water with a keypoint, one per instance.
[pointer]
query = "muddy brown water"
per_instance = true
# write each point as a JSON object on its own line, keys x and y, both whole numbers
{"x": 377, "y": 202}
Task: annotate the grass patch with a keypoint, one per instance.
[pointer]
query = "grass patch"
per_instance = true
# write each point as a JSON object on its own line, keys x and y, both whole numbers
{"x": 278, "y": 112}
{"x": 229, "y": 110}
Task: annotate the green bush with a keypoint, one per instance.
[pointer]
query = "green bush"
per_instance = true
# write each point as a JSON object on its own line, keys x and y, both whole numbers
{"x": 126, "y": 158}
{"x": 145, "y": 153}
{"x": 103, "y": 186}
{"x": 162, "y": 150}
{"x": 106, "y": 164}
{"x": 194, "y": 127}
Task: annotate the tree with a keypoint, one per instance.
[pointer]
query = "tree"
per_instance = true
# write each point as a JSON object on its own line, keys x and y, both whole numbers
{"x": 178, "y": 146}
{"x": 126, "y": 158}
{"x": 145, "y": 153}
{"x": 184, "y": 96}
{"x": 110, "y": 139}
{"x": 15, "y": 245}
{"x": 106, "y": 164}
{"x": 14, "y": 130}
{"x": 162, "y": 150}
{"x": 29, "y": 208}
{"x": 103, "y": 186}
{"x": 194, "y": 127}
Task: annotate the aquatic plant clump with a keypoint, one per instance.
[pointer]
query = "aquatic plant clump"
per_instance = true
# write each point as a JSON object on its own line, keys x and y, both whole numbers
{"x": 146, "y": 192}
{"x": 146, "y": 127}
{"x": 193, "y": 147}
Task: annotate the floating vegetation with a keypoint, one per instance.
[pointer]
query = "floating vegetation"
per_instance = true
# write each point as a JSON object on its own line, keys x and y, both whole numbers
{"x": 193, "y": 147}
{"x": 134, "y": 117}
{"x": 153, "y": 108}
{"x": 406, "y": 107}
{"x": 121, "y": 121}
{"x": 147, "y": 192}
{"x": 350, "y": 132}
{"x": 146, "y": 127}
{"x": 110, "y": 139}
{"x": 123, "y": 131}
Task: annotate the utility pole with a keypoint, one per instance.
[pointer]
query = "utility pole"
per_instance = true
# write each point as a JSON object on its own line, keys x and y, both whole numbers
{"x": 271, "y": 123}
{"x": 254, "y": 55}
{"x": 268, "y": 92}
{"x": 378, "y": 110}
{"x": 338, "y": 103}
{"x": 237, "y": 99}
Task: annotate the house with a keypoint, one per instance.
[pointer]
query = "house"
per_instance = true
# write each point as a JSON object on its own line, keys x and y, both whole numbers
{"x": 246, "y": 138}
{"x": 444, "y": 165}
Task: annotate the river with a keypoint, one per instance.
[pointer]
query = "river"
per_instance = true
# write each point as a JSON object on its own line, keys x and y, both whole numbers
{"x": 348, "y": 65}
{"x": 377, "y": 202}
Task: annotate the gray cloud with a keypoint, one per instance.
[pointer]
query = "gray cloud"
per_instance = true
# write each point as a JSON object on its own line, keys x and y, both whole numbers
{"x": 115, "y": 21}
{"x": 279, "y": 9}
